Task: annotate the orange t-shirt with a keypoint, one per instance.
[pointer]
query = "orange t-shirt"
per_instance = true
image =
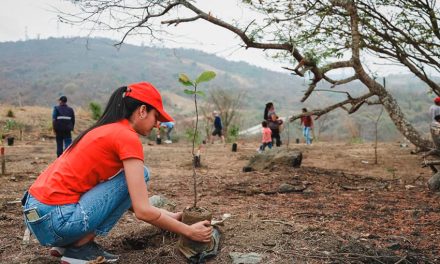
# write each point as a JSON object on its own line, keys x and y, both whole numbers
{"x": 96, "y": 158}
{"x": 267, "y": 135}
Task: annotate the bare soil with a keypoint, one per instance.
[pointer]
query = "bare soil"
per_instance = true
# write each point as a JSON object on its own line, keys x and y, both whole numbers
{"x": 351, "y": 211}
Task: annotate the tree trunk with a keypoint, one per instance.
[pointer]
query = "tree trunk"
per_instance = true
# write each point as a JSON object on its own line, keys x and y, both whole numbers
{"x": 397, "y": 116}
{"x": 394, "y": 111}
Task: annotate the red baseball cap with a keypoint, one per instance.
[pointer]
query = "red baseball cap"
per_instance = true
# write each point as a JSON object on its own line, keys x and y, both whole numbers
{"x": 147, "y": 93}
{"x": 437, "y": 100}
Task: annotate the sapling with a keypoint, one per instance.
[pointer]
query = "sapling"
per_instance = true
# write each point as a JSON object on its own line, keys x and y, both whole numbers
{"x": 195, "y": 214}
{"x": 184, "y": 79}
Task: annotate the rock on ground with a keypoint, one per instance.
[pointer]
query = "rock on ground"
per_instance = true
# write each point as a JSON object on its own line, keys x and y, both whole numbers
{"x": 273, "y": 157}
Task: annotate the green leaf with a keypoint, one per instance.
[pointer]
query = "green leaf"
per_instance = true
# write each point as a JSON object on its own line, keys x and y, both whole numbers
{"x": 200, "y": 93}
{"x": 189, "y": 91}
{"x": 205, "y": 77}
{"x": 183, "y": 79}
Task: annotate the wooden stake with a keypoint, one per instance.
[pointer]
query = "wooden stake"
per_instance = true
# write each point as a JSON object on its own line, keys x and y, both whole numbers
{"x": 2, "y": 153}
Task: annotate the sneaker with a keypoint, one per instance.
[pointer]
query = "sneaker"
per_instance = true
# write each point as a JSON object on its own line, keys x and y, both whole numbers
{"x": 85, "y": 253}
{"x": 168, "y": 141}
{"x": 57, "y": 251}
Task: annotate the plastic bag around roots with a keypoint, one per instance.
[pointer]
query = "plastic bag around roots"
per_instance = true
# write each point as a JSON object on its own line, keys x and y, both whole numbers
{"x": 198, "y": 258}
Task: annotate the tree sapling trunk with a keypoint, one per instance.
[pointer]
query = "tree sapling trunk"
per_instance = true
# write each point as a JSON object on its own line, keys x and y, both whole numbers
{"x": 195, "y": 214}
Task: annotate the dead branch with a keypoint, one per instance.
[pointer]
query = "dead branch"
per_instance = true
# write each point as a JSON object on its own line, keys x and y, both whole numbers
{"x": 427, "y": 163}
{"x": 319, "y": 112}
{"x": 278, "y": 222}
{"x": 333, "y": 91}
{"x": 339, "y": 82}
{"x": 353, "y": 188}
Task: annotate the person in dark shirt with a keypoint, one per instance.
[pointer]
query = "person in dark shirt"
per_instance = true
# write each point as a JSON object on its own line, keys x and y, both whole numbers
{"x": 218, "y": 127}
{"x": 275, "y": 126}
{"x": 307, "y": 123}
{"x": 63, "y": 123}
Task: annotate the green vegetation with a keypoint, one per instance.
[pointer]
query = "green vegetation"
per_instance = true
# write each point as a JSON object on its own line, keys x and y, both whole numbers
{"x": 187, "y": 82}
{"x": 10, "y": 113}
{"x": 233, "y": 133}
{"x": 10, "y": 125}
{"x": 96, "y": 110}
{"x": 190, "y": 136}
{"x": 91, "y": 74}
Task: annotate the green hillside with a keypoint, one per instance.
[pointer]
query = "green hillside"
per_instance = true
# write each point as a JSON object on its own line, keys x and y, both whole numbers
{"x": 42, "y": 69}
{"x": 36, "y": 72}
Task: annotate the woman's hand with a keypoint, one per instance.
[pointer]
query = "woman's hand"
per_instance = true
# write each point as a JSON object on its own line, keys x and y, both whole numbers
{"x": 201, "y": 231}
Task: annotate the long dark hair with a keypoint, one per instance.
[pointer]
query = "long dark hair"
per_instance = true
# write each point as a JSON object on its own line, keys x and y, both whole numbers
{"x": 118, "y": 107}
{"x": 266, "y": 110}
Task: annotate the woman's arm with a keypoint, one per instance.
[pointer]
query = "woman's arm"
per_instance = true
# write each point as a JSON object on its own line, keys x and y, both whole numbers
{"x": 134, "y": 173}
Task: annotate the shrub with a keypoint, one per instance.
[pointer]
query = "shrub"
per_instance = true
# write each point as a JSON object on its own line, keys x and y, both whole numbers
{"x": 10, "y": 113}
{"x": 96, "y": 110}
{"x": 189, "y": 134}
{"x": 10, "y": 125}
{"x": 233, "y": 133}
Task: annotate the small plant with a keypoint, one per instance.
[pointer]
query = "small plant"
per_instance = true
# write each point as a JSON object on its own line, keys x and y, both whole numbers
{"x": 10, "y": 125}
{"x": 10, "y": 113}
{"x": 356, "y": 140}
{"x": 183, "y": 79}
{"x": 189, "y": 134}
{"x": 392, "y": 171}
{"x": 233, "y": 133}
{"x": 96, "y": 110}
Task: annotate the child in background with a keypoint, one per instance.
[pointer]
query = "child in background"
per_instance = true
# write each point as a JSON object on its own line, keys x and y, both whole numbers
{"x": 274, "y": 125}
{"x": 307, "y": 122}
{"x": 267, "y": 137}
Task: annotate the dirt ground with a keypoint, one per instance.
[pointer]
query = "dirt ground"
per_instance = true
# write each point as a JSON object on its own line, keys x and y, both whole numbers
{"x": 351, "y": 210}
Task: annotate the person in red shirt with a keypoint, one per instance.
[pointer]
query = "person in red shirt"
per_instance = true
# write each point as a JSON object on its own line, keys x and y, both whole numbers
{"x": 307, "y": 123}
{"x": 266, "y": 140}
{"x": 98, "y": 178}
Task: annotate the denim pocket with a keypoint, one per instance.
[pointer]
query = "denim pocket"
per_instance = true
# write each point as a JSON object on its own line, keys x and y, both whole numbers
{"x": 43, "y": 230}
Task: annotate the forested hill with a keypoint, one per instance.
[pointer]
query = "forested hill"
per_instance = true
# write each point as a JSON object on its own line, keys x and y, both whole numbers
{"x": 36, "y": 72}
{"x": 85, "y": 70}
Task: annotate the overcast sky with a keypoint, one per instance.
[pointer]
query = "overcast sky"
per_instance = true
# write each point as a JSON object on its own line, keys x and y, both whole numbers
{"x": 30, "y": 19}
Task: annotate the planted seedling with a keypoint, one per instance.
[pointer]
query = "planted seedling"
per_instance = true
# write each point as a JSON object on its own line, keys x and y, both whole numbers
{"x": 195, "y": 214}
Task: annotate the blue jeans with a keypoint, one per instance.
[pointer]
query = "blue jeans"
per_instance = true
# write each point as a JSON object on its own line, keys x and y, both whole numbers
{"x": 97, "y": 211}
{"x": 63, "y": 137}
{"x": 306, "y": 133}
{"x": 169, "y": 132}
{"x": 264, "y": 145}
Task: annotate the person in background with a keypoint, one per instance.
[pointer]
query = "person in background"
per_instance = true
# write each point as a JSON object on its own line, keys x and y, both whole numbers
{"x": 268, "y": 111}
{"x": 63, "y": 123}
{"x": 218, "y": 127}
{"x": 434, "y": 110}
{"x": 266, "y": 140}
{"x": 158, "y": 136}
{"x": 86, "y": 190}
{"x": 307, "y": 123}
{"x": 435, "y": 131}
{"x": 169, "y": 127}
{"x": 275, "y": 124}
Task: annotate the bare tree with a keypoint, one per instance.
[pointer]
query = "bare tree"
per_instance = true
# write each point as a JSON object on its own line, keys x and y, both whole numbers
{"x": 318, "y": 36}
{"x": 228, "y": 103}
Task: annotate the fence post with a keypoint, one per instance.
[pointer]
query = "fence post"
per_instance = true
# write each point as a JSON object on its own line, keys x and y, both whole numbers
{"x": 2, "y": 153}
